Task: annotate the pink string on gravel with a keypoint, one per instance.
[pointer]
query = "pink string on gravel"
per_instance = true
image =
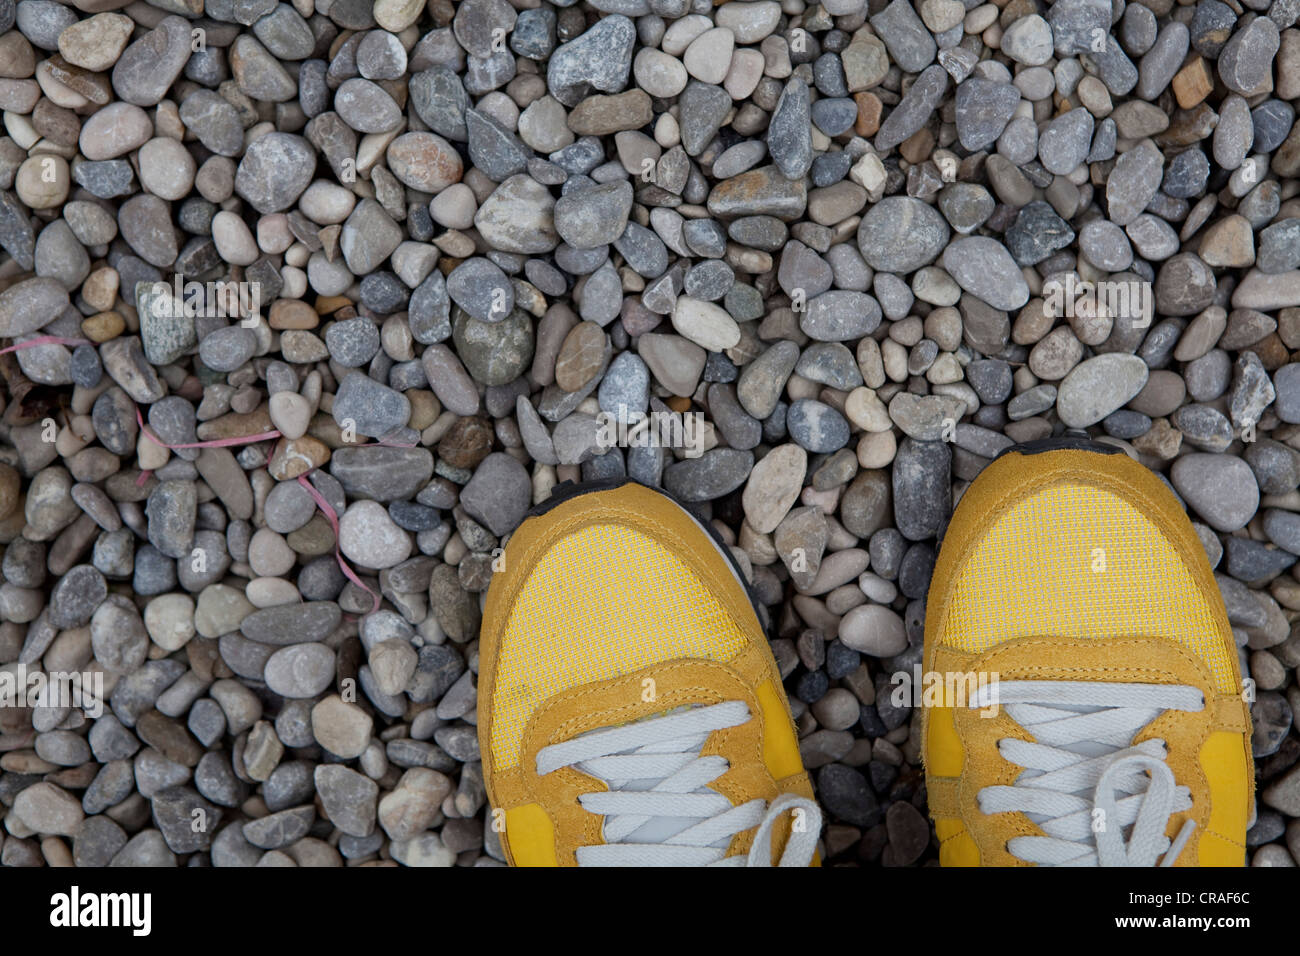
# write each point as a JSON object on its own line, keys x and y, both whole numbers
{"x": 214, "y": 443}
{"x": 332, "y": 517}
{"x": 44, "y": 340}
{"x": 326, "y": 509}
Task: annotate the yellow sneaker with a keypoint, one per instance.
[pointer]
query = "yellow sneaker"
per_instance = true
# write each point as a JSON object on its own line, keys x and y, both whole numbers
{"x": 629, "y": 709}
{"x": 1073, "y": 594}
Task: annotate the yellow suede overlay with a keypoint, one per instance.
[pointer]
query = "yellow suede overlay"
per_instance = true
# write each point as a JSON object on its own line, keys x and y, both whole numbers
{"x": 956, "y": 848}
{"x": 943, "y": 747}
{"x": 532, "y": 836}
{"x": 1076, "y": 560}
{"x": 780, "y": 748}
{"x": 600, "y": 602}
{"x": 1226, "y": 765}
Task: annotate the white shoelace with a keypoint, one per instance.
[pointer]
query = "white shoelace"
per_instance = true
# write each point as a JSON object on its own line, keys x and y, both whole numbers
{"x": 1081, "y": 758}
{"x": 659, "y": 810}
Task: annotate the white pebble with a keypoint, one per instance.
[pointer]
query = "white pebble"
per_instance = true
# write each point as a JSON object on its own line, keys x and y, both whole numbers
{"x": 233, "y": 239}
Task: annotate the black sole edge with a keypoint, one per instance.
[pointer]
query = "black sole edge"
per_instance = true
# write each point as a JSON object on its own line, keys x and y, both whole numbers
{"x": 1065, "y": 442}
{"x": 568, "y": 490}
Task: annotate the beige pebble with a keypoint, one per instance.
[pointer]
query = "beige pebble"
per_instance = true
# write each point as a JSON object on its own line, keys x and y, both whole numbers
{"x": 773, "y": 486}
{"x": 166, "y": 168}
{"x": 456, "y": 244}
{"x": 16, "y": 55}
{"x": 395, "y": 336}
{"x": 233, "y": 239}
{"x": 393, "y": 663}
{"x": 396, "y": 15}
{"x": 865, "y": 410}
{"x": 95, "y": 43}
{"x": 269, "y": 555}
{"x": 215, "y": 179}
{"x": 271, "y": 592}
{"x": 297, "y": 255}
{"x": 19, "y": 96}
{"x": 681, "y": 33}
{"x": 667, "y": 131}
{"x": 946, "y": 370}
{"x": 895, "y": 360}
{"x": 658, "y": 73}
{"x": 1094, "y": 96}
{"x": 326, "y": 203}
{"x": 100, "y": 288}
{"x": 295, "y": 282}
{"x": 454, "y": 207}
{"x": 151, "y": 456}
{"x": 20, "y": 130}
{"x": 169, "y": 619}
{"x": 942, "y": 15}
{"x": 743, "y": 73}
{"x": 290, "y": 413}
{"x": 877, "y": 449}
{"x": 273, "y": 233}
{"x": 340, "y": 727}
{"x": 873, "y": 629}
{"x": 167, "y": 121}
{"x": 981, "y": 18}
{"x": 42, "y": 181}
{"x": 709, "y": 55}
{"x": 368, "y": 536}
{"x": 705, "y": 323}
{"x": 115, "y": 130}
{"x": 56, "y": 852}
{"x": 69, "y": 442}
{"x": 47, "y": 808}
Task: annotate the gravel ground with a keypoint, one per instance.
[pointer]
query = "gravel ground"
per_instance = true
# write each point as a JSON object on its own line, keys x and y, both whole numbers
{"x": 870, "y": 244}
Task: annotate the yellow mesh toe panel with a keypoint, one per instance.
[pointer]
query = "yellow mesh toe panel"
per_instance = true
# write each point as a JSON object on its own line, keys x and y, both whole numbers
{"x": 1032, "y": 573}
{"x": 602, "y": 602}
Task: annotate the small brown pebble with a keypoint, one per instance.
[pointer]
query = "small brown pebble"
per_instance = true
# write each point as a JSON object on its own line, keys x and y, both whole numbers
{"x": 1193, "y": 83}
{"x": 295, "y": 457}
{"x": 104, "y": 326}
{"x": 100, "y": 288}
{"x": 869, "y": 108}
{"x": 466, "y": 443}
{"x": 580, "y": 356}
{"x": 1272, "y": 352}
{"x": 292, "y": 314}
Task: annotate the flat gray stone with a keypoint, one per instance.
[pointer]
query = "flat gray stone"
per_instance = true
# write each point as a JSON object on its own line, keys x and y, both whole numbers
{"x": 1220, "y": 488}
{"x": 499, "y": 494}
{"x": 1098, "y": 386}
{"x": 984, "y": 107}
{"x": 983, "y": 267}
{"x": 916, "y": 107}
{"x": 312, "y": 621}
{"x": 900, "y": 234}
{"x": 909, "y": 43}
{"x": 372, "y": 408}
